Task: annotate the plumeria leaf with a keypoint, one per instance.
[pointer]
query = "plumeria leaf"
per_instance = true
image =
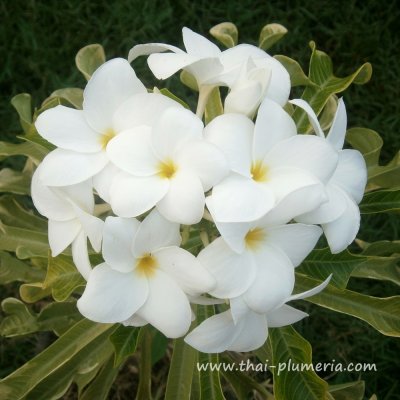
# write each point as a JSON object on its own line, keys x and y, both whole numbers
{"x": 31, "y": 150}
{"x": 381, "y": 313}
{"x": 32, "y": 292}
{"x": 381, "y": 248}
{"x": 189, "y": 80}
{"x": 328, "y": 113}
{"x": 89, "y": 58}
{"x": 380, "y": 201}
{"x": 326, "y": 84}
{"x": 287, "y": 345}
{"x": 225, "y": 32}
{"x": 12, "y": 181}
{"x": 159, "y": 346}
{"x": 297, "y": 75}
{"x": 23, "y": 105}
{"x": 214, "y": 105}
{"x": 271, "y": 34}
{"x": 348, "y": 391}
{"x": 35, "y": 138}
{"x": 12, "y": 270}
{"x": 169, "y": 94}
{"x": 387, "y": 176}
{"x": 124, "y": 339}
{"x": 82, "y": 339}
{"x": 67, "y": 96}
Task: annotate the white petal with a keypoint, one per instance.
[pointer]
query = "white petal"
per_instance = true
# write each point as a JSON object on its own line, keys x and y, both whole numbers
{"x": 328, "y": 211}
{"x": 240, "y": 199}
{"x": 112, "y": 296}
{"x": 311, "y": 116}
{"x": 67, "y": 128}
{"x": 273, "y": 282}
{"x": 150, "y": 48}
{"x": 351, "y": 174}
{"x": 273, "y": 125}
{"x": 135, "y": 320}
{"x": 295, "y": 240}
{"x": 284, "y": 315}
{"x": 185, "y": 269}
{"x": 80, "y": 255}
{"x": 244, "y": 99}
{"x": 118, "y": 237}
{"x": 131, "y": 151}
{"x": 175, "y": 128}
{"x": 198, "y": 45}
{"x": 103, "y": 180}
{"x": 233, "y": 134}
{"x": 204, "y": 160}
{"x": 311, "y": 292}
{"x": 62, "y": 234}
{"x": 184, "y": 201}
{"x": 65, "y": 167}
{"x": 166, "y": 308}
{"x": 310, "y": 153}
{"x": 205, "y": 301}
{"x": 342, "y": 231}
{"x": 239, "y": 308}
{"x": 79, "y": 195}
{"x": 155, "y": 232}
{"x": 110, "y": 85}
{"x": 233, "y": 272}
{"x": 132, "y": 196}
{"x": 214, "y": 335}
{"x": 338, "y": 129}
{"x": 165, "y": 65}
{"x": 91, "y": 226}
{"x": 142, "y": 109}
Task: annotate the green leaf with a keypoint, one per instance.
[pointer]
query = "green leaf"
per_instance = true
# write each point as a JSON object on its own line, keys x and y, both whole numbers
{"x": 124, "y": 339}
{"x": 271, "y": 34}
{"x": 288, "y": 346}
{"x": 144, "y": 386}
{"x": 34, "y": 152}
{"x": 387, "y": 176}
{"x": 18, "y": 384}
{"x": 328, "y": 113}
{"x": 23, "y": 105}
{"x": 214, "y": 105}
{"x": 14, "y": 181}
{"x": 158, "y": 347}
{"x": 13, "y": 270}
{"x": 32, "y": 292}
{"x": 326, "y": 84}
{"x": 169, "y": 94}
{"x": 181, "y": 371}
{"x": 66, "y": 96}
{"x": 381, "y": 248}
{"x": 226, "y": 33}
{"x": 89, "y": 58}
{"x": 348, "y": 391}
{"x": 381, "y": 313}
{"x": 189, "y": 80}
{"x": 35, "y": 138}
{"x": 297, "y": 75}
{"x": 380, "y": 201}
{"x": 368, "y": 142}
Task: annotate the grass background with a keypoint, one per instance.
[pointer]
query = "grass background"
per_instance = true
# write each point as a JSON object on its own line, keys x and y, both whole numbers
{"x": 39, "y": 40}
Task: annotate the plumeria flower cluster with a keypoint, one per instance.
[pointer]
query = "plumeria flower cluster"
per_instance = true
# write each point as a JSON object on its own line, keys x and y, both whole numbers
{"x": 268, "y": 191}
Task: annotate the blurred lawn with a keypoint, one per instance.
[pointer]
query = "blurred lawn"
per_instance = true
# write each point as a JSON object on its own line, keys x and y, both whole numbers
{"x": 39, "y": 40}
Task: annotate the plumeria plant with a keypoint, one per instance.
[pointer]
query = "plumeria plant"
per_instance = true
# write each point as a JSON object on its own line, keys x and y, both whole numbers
{"x": 160, "y": 227}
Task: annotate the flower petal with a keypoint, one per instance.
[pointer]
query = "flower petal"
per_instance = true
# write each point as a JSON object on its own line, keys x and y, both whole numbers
{"x": 239, "y": 199}
{"x": 184, "y": 201}
{"x": 118, "y": 236}
{"x": 154, "y": 233}
{"x": 311, "y": 116}
{"x": 65, "y": 167}
{"x": 198, "y": 45}
{"x": 185, "y": 269}
{"x": 92, "y": 226}
{"x": 103, "y": 180}
{"x": 338, "y": 129}
{"x": 311, "y": 292}
{"x": 343, "y": 230}
{"x": 273, "y": 125}
{"x": 150, "y": 48}
{"x": 110, "y": 85}
{"x": 233, "y": 134}
{"x": 80, "y": 255}
{"x": 131, "y": 151}
{"x": 166, "y": 308}
{"x": 204, "y": 160}
{"x": 233, "y": 272}
{"x": 132, "y": 196}
{"x": 112, "y": 296}
{"x": 273, "y": 282}
{"x": 176, "y": 127}
{"x": 310, "y": 153}
{"x": 62, "y": 234}
{"x": 284, "y": 315}
{"x": 165, "y": 65}
{"x": 67, "y": 128}
{"x": 351, "y": 174}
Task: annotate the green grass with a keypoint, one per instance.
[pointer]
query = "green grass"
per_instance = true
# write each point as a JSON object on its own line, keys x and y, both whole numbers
{"x": 37, "y": 50}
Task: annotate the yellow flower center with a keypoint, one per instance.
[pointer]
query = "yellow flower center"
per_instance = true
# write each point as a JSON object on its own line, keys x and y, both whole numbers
{"x": 146, "y": 265}
{"x": 106, "y": 137}
{"x": 167, "y": 169}
{"x": 254, "y": 238}
{"x": 259, "y": 171}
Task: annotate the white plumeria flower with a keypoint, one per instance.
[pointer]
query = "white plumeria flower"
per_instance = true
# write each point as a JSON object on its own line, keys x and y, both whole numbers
{"x": 71, "y": 221}
{"x": 261, "y": 266}
{"x": 169, "y": 166}
{"x": 340, "y": 216}
{"x": 241, "y": 329}
{"x": 146, "y": 277}
{"x": 268, "y": 161}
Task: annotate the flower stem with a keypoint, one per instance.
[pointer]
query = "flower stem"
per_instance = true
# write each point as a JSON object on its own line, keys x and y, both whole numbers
{"x": 144, "y": 389}
{"x": 204, "y": 92}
